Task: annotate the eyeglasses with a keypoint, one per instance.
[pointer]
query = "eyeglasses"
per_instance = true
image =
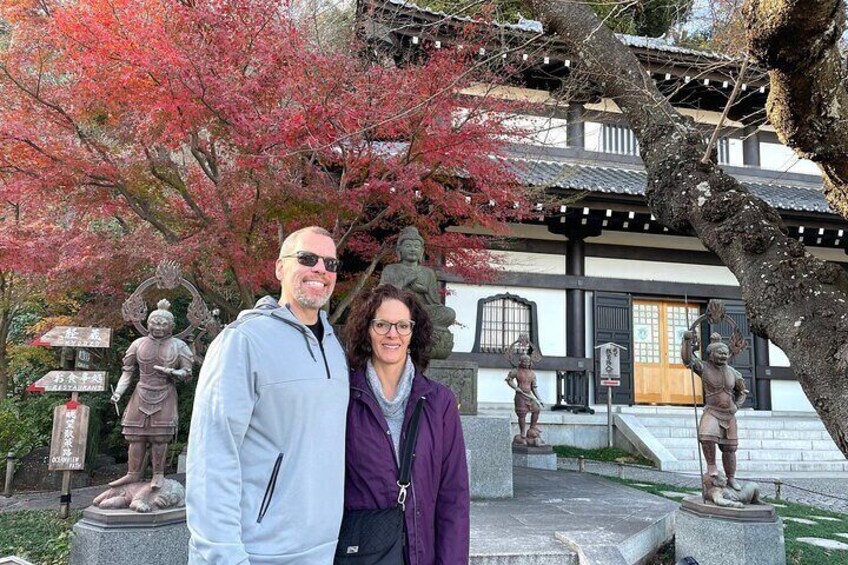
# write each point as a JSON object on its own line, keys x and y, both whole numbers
{"x": 382, "y": 327}
{"x": 309, "y": 259}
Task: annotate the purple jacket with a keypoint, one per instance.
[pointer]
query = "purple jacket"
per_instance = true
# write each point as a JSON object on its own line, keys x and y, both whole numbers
{"x": 437, "y": 507}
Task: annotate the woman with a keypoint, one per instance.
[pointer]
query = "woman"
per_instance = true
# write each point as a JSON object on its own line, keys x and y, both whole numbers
{"x": 388, "y": 336}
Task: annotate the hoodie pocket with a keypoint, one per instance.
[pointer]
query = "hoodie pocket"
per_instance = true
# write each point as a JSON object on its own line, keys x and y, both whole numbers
{"x": 269, "y": 490}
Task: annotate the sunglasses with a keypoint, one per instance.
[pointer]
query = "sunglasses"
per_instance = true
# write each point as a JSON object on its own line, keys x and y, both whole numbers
{"x": 382, "y": 327}
{"x": 309, "y": 259}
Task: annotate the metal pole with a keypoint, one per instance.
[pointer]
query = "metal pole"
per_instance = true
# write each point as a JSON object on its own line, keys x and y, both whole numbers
{"x": 10, "y": 473}
{"x": 609, "y": 416}
{"x": 695, "y": 400}
{"x": 581, "y": 464}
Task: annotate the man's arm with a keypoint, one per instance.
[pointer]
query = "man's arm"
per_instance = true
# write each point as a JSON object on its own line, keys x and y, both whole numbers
{"x": 453, "y": 499}
{"x": 223, "y": 404}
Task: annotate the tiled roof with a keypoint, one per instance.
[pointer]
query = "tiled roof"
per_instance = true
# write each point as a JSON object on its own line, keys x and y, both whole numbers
{"x": 534, "y": 26}
{"x": 613, "y": 180}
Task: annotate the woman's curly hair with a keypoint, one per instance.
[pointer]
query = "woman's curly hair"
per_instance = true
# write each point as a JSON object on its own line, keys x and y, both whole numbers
{"x": 358, "y": 339}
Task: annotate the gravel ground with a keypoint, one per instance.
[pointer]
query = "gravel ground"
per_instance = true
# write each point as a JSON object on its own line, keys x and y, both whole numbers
{"x": 826, "y": 487}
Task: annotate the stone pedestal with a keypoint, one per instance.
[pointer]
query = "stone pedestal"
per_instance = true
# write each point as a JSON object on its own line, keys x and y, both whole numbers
{"x": 487, "y": 448}
{"x": 713, "y": 535}
{"x": 461, "y": 378}
{"x": 534, "y": 457}
{"x": 125, "y": 537}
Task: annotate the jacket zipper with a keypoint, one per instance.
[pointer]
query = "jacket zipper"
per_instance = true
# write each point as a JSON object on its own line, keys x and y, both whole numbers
{"x": 269, "y": 490}
{"x": 388, "y": 432}
{"x": 324, "y": 356}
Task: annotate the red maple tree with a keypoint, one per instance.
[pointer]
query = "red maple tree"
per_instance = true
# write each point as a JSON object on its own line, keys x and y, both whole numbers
{"x": 204, "y": 131}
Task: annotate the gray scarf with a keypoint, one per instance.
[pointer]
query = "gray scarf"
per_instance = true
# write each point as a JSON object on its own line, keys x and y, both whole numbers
{"x": 394, "y": 409}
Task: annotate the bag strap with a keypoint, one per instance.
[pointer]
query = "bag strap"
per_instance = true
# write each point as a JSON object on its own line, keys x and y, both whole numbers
{"x": 405, "y": 478}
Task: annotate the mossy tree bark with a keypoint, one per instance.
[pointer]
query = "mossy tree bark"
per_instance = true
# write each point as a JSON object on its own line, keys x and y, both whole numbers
{"x": 797, "y": 42}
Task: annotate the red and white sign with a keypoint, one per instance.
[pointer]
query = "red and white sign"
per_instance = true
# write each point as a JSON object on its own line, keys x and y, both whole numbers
{"x": 70, "y": 381}
{"x": 610, "y": 382}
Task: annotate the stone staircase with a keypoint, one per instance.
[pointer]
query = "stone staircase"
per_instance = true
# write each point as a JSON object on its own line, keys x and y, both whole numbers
{"x": 770, "y": 444}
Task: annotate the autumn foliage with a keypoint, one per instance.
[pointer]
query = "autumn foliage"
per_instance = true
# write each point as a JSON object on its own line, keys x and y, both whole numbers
{"x": 133, "y": 130}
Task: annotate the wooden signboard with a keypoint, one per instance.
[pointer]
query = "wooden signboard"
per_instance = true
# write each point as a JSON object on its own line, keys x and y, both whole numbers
{"x": 70, "y": 381}
{"x": 71, "y": 336}
{"x": 70, "y": 435}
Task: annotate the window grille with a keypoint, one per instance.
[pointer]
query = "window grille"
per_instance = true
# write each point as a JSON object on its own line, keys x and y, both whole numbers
{"x": 620, "y": 140}
{"x": 723, "y": 151}
{"x": 503, "y": 319}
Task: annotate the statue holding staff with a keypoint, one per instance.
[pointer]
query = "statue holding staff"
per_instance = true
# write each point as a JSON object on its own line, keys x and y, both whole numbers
{"x": 724, "y": 392}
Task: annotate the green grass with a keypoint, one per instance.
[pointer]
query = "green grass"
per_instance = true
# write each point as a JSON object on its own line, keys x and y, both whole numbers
{"x": 608, "y": 454}
{"x": 797, "y": 553}
{"x": 38, "y": 536}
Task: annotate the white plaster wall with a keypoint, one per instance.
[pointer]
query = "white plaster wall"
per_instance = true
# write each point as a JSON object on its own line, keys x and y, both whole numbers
{"x": 542, "y": 130}
{"x": 550, "y": 309}
{"x": 788, "y": 396}
{"x": 634, "y": 239}
{"x": 527, "y": 231}
{"x": 735, "y": 152}
{"x": 778, "y": 157}
{"x": 491, "y": 386}
{"x": 777, "y": 358}
{"x": 659, "y": 271}
{"x": 592, "y": 139}
{"x": 520, "y": 262}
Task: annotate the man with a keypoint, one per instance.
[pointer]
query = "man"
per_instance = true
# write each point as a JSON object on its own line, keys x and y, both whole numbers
{"x": 265, "y": 475}
{"x": 724, "y": 393}
{"x": 151, "y": 415}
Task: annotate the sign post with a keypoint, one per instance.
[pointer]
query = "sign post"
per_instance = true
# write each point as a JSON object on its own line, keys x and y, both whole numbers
{"x": 609, "y": 361}
{"x": 70, "y": 420}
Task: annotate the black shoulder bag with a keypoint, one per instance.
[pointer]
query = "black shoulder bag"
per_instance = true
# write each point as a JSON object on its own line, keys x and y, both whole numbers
{"x": 376, "y": 537}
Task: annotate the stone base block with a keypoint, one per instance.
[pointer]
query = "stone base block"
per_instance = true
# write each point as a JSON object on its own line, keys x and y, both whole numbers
{"x": 747, "y": 536}
{"x": 124, "y": 537}
{"x": 461, "y": 378}
{"x": 534, "y": 457}
{"x": 487, "y": 448}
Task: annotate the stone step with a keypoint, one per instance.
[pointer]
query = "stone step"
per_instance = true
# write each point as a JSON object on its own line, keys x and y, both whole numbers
{"x": 822, "y": 447}
{"x": 751, "y": 467}
{"x": 776, "y": 423}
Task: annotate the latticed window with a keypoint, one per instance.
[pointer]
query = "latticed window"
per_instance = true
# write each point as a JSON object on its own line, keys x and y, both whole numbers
{"x": 723, "y": 151}
{"x": 722, "y": 147}
{"x": 619, "y": 139}
{"x": 502, "y": 319}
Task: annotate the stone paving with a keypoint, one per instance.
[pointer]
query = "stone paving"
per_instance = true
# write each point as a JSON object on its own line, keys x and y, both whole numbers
{"x": 837, "y": 487}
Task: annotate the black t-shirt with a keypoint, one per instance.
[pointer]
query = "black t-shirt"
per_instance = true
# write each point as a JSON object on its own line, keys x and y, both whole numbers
{"x": 317, "y": 329}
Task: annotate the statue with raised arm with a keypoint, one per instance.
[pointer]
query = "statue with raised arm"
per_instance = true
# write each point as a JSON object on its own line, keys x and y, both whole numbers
{"x": 724, "y": 392}
{"x": 523, "y": 381}
{"x": 410, "y": 274}
{"x": 150, "y": 418}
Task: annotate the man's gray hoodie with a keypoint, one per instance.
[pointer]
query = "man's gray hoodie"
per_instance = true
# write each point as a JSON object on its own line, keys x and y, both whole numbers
{"x": 265, "y": 474}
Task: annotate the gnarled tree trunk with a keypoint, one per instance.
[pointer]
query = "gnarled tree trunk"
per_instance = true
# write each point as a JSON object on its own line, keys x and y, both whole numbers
{"x": 798, "y": 43}
{"x": 793, "y": 298}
